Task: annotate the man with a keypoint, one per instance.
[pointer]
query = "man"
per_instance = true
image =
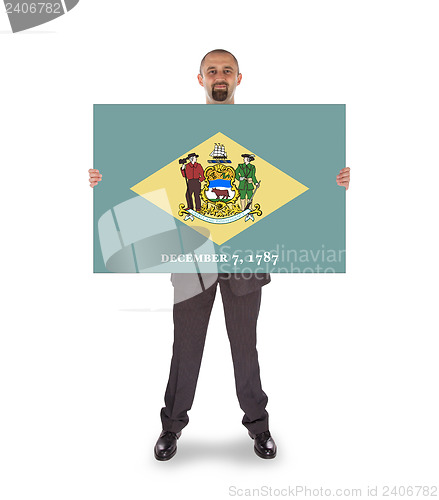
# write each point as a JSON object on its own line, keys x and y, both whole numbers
{"x": 219, "y": 76}
{"x": 194, "y": 174}
{"x": 246, "y": 175}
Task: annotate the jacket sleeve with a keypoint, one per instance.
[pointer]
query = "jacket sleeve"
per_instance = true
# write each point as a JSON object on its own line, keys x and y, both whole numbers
{"x": 201, "y": 173}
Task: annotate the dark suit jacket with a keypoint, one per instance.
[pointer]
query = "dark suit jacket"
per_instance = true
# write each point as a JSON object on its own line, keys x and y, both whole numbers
{"x": 242, "y": 284}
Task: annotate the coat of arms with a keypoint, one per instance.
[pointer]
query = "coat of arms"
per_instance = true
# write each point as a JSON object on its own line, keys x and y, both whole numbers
{"x": 219, "y": 193}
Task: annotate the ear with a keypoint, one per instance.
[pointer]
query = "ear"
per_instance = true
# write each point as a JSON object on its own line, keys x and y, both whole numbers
{"x": 239, "y": 79}
{"x": 200, "y": 80}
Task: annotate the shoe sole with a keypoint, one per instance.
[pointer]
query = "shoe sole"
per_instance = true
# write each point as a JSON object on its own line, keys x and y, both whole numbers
{"x": 261, "y": 455}
{"x": 164, "y": 459}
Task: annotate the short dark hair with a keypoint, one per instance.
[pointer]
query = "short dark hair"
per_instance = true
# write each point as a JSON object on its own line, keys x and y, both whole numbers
{"x": 218, "y": 51}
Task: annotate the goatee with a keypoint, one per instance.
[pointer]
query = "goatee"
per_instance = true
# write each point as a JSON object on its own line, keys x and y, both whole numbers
{"x": 220, "y": 94}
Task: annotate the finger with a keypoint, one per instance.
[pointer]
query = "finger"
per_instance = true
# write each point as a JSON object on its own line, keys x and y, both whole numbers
{"x": 344, "y": 176}
{"x": 345, "y": 184}
{"x": 93, "y": 184}
{"x": 346, "y": 169}
{"x": 95, "y": 176}
{"x": 93, "y": 170}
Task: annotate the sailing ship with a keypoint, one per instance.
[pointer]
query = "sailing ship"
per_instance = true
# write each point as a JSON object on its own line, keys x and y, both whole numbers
{"x": 219, "y": 154}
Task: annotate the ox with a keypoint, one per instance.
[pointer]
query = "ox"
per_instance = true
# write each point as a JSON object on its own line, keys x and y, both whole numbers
{"x": 221, "y": 192}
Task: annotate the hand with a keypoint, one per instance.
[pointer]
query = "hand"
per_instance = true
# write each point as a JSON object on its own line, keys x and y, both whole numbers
{"x": 344, "y": 177}
{"x": 95, "y": 177}
{"x": 242, "y": 178}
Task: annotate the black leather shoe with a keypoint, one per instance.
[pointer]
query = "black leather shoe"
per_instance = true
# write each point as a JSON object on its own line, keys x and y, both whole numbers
{"x": 166, "y": 446}
{"x": 265, "y": 447}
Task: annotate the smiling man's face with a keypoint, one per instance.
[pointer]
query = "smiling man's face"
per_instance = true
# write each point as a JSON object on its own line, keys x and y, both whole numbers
{"x": 219, "y": 77}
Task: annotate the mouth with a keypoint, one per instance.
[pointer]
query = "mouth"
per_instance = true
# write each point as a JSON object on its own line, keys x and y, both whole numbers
{"x": 220, "y": 87}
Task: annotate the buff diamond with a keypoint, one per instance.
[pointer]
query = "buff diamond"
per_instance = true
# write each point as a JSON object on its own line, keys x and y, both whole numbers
{"x": 220, "y": 186}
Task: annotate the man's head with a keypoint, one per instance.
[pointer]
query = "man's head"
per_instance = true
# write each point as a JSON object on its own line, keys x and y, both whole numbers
{"x": 192, "y": 157}
{"x": 219, "y": 75}
{"x": 247, "y": 158}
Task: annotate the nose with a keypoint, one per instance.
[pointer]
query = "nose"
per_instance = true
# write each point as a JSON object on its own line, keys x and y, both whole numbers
{"x": 221, "y": 77}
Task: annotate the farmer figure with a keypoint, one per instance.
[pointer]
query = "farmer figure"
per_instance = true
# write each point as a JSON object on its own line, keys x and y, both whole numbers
{"x": 246, "y": 174}
{"x": 194, "y": 174}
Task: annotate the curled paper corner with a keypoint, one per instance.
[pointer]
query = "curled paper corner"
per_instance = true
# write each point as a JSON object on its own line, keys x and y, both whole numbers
{"x": 24, "y": 15}
{"x": 70, "y": 4}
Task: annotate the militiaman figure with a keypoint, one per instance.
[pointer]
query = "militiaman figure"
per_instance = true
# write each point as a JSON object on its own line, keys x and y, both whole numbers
{"x": 246, "y": 175}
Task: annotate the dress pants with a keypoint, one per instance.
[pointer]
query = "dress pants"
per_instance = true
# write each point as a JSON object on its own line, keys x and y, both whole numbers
{"x": 194, "y": 187}
{"x": 191, "y": 318}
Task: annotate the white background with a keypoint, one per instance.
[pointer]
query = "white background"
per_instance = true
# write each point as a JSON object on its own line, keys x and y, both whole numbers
{"x": 349, "y": 362}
